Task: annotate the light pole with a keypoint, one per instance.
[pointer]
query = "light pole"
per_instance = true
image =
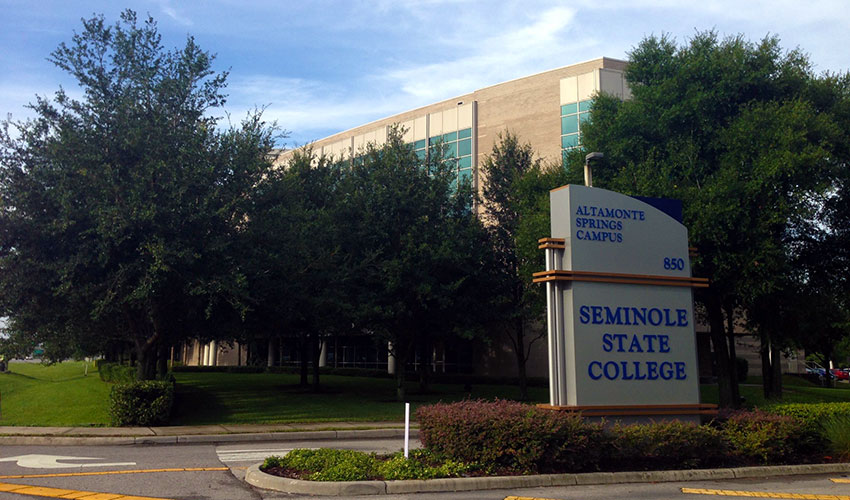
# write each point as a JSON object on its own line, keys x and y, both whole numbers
{"x": 588, "y": 175}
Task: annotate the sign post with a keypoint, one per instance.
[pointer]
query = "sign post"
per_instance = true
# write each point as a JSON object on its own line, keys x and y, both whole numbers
{"x": 620, "y": 307}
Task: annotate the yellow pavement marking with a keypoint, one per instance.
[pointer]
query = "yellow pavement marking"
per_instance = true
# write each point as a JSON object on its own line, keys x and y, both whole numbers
{"x": 842, "y": 480}
{"x": 527, "y": 498}
{"x": 110, "y": 472}
{"x": 41, "y": 491}
{"x": 763, "y": 494}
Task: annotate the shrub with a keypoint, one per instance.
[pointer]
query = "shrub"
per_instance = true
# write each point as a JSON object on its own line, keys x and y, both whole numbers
{"x": 667, "y": 445}
{"x": 116, "y": 373}
{"x": 812, "y": 415}
{"x": 421, "y": 464}
{"x": 327, "y": 464}
{"x": 511, "y": 435}
{"x": 143, "y": 403}
{"x": 836, "y": 430}
{"x": 348, "y": 465}
{"x": 764, "y": 438}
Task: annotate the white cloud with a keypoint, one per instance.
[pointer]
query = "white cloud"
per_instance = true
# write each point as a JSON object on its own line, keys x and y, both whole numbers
{"x": 523, "y": 49}
{"x": 172, "y": 13}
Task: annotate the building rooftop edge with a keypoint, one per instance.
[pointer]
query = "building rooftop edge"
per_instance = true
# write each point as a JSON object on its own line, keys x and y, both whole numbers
{"x": 346, "y": 132}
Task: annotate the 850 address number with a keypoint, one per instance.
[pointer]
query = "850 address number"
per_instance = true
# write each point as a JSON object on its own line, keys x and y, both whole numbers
{"x": 674, "y": 264}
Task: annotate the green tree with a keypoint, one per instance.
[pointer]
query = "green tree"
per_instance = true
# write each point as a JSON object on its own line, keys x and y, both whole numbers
{"x": 296, "y": 267}
{"x": 122, "y": 211}
{"x": 730, "y": 128}
{"x": 414, "y": 247}
{"x": 516, "y": 208}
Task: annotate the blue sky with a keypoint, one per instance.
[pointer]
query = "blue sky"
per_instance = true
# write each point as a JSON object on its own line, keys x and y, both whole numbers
{"x": 320, "y": 67}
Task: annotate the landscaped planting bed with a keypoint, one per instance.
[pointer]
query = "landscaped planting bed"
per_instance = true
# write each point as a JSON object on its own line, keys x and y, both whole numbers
{"x": 474, "y": 438}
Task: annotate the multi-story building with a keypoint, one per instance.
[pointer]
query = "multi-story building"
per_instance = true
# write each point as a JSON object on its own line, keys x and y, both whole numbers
{"x": 546, "y": 110}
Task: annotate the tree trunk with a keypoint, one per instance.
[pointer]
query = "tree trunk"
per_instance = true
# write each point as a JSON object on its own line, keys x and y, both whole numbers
{"x": 519, "y": 349}
{"x": 162, "y": 362}
{"x": 733, "y": 354}
{"x": 304, "y": 347}
{"x": 400, "y": 394}
{"x": 317, "y": 351}
{"x": 776, "y": 365}
{"x": 727, "y": 388}
{"x": 425, "y": 366}
{"x": 145, "y": 364}
{"x": 766, "y": 369}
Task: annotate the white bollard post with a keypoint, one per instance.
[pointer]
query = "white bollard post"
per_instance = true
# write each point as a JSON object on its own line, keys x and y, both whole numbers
{"x": 406, "y": 429}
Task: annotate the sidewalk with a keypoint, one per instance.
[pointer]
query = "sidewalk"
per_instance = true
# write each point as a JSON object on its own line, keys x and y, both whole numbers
{"x": 200, "y": 433}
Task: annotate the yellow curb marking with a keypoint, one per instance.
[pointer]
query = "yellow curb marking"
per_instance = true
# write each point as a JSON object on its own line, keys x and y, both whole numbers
{"x": 763, "y": 494}
{"x": 41, "y": 491}
{"x": 840, "y": 480}
{"x": 109, "y": 472}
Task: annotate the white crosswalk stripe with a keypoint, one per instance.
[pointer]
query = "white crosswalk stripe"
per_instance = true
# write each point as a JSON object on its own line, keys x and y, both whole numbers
{"x": 254, "y": 455}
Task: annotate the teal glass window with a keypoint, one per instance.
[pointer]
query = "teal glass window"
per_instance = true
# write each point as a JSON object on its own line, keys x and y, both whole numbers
{"x": 569, "y": 141}
{"x": 569, "y": 124}
{"x": 464, "y": 162}
{"x": 464, "y": 147}
{"x": 464, "y": 134}
{"x": 569, "y": 109}
{"x": 573, "y": 116}
{"x": 465, "y": 176}
{"x": 419, "y": 144}
{"x": 450, "y": 137}
{"x": 451, "y": 149}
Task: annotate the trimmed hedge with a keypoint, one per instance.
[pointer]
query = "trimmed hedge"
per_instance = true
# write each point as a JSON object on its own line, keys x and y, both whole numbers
{"x": 758, "y": 437}
{"x": 520, "y": 438}
{"x": 510, "y": 435}
{"x": 116, "y": 373}
{"x": 142, "y": 403}
{"x": 813, "y": 414}
{"x": 666, "y": 445}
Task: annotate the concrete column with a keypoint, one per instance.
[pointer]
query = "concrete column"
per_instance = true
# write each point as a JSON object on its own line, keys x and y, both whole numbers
{"x": 213, "y": 353}
{"x": 323, "y": 354}
{"x": 206, "y": 355}
{"x": 270, "y": 360}
{"x": 390, "y": 359}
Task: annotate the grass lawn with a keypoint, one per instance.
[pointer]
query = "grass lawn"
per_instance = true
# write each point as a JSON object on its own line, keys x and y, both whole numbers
{"x": 231, "y": 398}
{"x": 794, "y": 390}
{"x": 57, "y": 395}
{"x": 61, "y": 395}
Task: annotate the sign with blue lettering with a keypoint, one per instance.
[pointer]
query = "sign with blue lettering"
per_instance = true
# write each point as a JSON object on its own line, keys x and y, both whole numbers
{"x": 621, "y": 324}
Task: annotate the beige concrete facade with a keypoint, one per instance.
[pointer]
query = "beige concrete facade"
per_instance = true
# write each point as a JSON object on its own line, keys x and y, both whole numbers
{"x": 529, "y": 107}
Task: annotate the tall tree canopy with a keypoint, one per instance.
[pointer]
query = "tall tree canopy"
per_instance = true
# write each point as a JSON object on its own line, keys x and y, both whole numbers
{"x": 516, "y": 209}
{"x": 414, "y": 249}
{"x": 121, "y": 210}
{"x": 744, "y": 134}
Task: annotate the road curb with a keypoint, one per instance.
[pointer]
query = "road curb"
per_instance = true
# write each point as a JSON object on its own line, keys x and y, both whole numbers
{"x": 317, "y": 435}
{"x": 255, "y": 477}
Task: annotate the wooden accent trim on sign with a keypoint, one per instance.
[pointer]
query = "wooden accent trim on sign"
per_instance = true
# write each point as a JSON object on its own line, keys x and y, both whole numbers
{"x": 629, "y": 279}
{"x": 635, "y": 410}
{"x": 557, "y": 243}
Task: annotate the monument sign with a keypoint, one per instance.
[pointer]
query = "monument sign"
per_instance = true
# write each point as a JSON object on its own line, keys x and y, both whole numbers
{"x": 620, "y": 307}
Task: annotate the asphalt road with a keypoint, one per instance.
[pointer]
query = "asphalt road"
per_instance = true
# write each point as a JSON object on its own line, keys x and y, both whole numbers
{"x": 154, "y": 471}
{"x": 159, "y": 472}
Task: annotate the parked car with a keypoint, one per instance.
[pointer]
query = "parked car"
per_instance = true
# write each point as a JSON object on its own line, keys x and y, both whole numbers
{"x": 842, "y": 374}
{"x": 816, "y": 369}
